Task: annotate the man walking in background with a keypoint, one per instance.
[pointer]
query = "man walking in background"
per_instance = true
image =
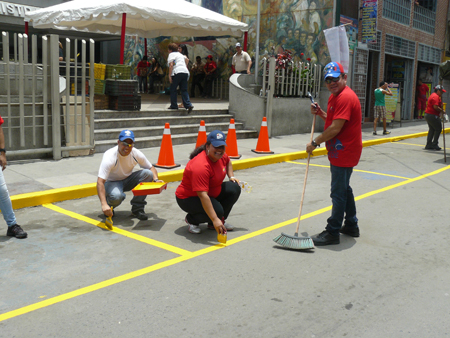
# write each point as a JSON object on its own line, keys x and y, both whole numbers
{"x": 242, "y": 62}
{"x": 342, "y": 134}
{"x": 380, "y": 106}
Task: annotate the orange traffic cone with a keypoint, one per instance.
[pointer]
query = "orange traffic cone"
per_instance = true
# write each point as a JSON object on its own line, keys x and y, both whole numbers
{"x": 262, "y": 147}
{"x": 232, "y": 149}
{"x": 201, "y": 138}
{"x": 165, "y": 159}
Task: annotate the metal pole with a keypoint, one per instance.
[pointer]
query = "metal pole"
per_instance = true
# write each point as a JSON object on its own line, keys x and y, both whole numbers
{"x": 54, "y": 80}
{"x": 91, "y": 93}
{"x": 122, "y": 37}
{"x": 258, "y": 17}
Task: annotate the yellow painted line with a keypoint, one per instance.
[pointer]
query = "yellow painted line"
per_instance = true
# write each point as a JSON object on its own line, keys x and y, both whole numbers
{"x": 86, "y": 190}
{"x": 91, "y": 288}
{"x": 119, "y": 231}
{"x": 358, "y": 170}
{"x": 173, "y": 261}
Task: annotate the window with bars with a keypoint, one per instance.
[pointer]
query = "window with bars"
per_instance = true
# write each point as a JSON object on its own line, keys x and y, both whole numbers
{"x": 429, "y": 54}
{"x": 397, "y": 10}
{"x": 396, "y": 45}
{"x": 424, "y": 19}
{"x": 428, "y": 4}
{"x": 377, "y": 45}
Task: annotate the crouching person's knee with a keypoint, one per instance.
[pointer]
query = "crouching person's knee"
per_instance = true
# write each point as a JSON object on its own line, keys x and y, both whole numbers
{"x": 115, "y": 197}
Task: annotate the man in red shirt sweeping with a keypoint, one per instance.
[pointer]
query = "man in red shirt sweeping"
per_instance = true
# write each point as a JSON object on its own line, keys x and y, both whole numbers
{"x": 342, "y": 134}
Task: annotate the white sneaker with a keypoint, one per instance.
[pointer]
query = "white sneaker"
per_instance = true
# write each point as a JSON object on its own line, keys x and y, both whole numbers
{"x": 228, "y": 226}
{"x": 194, "y": 229}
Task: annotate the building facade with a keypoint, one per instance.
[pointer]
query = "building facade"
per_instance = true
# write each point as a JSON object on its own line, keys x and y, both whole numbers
{"x": 409, "y": 45}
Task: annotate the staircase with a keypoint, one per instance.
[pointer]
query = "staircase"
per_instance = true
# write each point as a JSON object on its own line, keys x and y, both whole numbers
{"x": 148, "y": 126}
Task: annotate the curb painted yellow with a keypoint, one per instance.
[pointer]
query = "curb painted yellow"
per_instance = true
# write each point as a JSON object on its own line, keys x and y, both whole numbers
{"x": 85, "y": 190}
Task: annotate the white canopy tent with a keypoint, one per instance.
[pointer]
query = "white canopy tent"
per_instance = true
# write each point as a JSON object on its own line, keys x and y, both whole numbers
{"x": 147, "y": 19}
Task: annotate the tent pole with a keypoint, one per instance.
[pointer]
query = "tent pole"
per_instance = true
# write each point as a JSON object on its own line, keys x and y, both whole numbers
{"x": 122, "y": 37}
{"x": 145, "y": 48}
{"x": 26, "y": 28}
{"x": 258, "y": 17}
{"x": 245, "y": 41}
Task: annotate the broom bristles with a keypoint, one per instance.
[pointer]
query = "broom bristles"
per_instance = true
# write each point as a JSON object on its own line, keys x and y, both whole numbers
{"x": 294, "y": 242}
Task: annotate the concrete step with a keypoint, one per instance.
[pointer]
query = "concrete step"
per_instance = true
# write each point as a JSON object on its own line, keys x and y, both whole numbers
{"x": 113, "y": 133}
{"x": 114, "y": 114}
{"x": 131, "y": 123}
{"x": 155, "y": 141}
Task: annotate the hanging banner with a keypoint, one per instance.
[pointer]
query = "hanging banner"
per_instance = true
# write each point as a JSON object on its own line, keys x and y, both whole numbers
{"x": 369, "y": 21}
{"x": 351, "y": 27}
{"x": 337, "y": 43}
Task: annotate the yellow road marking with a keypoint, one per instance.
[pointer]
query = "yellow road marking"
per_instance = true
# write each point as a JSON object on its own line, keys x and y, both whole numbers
{"x": 185, "y": 257}
{"x": 358, "y": 170}
{"x": 128, "y": 234}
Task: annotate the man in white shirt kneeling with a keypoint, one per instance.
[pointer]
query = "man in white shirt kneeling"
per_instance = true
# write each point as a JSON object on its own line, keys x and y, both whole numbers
{"x": 116, "y": 176}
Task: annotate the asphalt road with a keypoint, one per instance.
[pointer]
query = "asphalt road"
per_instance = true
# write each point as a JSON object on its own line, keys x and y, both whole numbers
{"x": 74, "y": 278}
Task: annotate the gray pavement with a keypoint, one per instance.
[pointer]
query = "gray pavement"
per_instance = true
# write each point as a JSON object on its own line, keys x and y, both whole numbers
{"x": 74, "y": 278}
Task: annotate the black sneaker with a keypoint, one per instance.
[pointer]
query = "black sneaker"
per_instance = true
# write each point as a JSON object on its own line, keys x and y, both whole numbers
{"x": 350, "y": 231}
{"x": 325, "y": 238}
{"x": 190, "y": 109}
{"x": 16, "y": 231}
{"x": 140, "y": 215}
{"x": 374, "y": 132}
{"x": 386, "y": 132}
{"x": 437, "y": 147}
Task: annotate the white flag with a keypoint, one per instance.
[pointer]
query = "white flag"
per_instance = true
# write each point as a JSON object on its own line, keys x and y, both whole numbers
{"x": 338, "y": 45}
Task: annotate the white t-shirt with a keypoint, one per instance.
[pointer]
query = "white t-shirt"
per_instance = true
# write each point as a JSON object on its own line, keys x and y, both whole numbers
{"x": 115, "y": 167}
{"x": 240, "y": 62}
{"x": 179, "y": 63}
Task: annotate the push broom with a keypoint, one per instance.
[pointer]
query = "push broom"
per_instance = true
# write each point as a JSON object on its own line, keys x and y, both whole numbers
{"x": 295, "y": 242}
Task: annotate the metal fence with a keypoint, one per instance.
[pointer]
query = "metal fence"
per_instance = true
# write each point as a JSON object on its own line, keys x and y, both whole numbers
{"x": 42, "y": 114}
{"x": 295, "y": 79}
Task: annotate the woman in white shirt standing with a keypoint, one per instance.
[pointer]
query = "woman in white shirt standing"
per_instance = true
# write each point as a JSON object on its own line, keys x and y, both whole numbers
{"x": 179, "y": 75}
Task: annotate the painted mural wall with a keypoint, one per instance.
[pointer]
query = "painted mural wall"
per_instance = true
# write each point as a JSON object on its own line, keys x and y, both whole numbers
{"x": 296, "y": 25}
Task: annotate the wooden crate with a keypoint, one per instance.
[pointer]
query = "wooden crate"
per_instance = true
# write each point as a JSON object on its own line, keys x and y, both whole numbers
{"x": 101, "y": 102}
{"x": 125, "y": 102}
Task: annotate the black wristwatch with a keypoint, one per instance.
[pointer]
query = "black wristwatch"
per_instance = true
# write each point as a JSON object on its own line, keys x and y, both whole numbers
{"x": 313, "y": 143}
{"x": 2, "y": 150}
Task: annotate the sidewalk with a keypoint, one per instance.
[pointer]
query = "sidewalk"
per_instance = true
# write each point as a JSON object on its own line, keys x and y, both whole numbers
{"x": 76, "y": 177}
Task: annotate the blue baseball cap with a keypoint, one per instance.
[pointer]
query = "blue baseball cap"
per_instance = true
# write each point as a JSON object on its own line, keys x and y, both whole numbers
{"x": 333, "y": 69}
{"x": 217, "y": 138}
{"x": 124, "y": 134}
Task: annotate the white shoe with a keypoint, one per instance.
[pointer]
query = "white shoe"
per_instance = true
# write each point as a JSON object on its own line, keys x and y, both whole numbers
{"x": 194, "y": 229}
{"x": 228, "y": 226}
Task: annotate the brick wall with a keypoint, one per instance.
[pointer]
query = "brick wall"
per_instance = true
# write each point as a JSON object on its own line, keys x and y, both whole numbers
{"x": 387, "y": 26}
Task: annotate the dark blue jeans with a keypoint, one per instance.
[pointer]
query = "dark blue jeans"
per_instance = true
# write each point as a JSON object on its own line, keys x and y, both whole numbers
{"x": 180, "y": 79}
{"x": 222, "y": 204}
{"x": 342, "y": 199}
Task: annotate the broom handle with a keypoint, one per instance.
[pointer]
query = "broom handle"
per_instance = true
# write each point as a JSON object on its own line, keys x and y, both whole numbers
{"x": 306, "y": 177}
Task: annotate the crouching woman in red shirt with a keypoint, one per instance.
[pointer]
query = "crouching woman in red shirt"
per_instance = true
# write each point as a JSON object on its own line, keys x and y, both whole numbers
{"x": 202, "y": 192}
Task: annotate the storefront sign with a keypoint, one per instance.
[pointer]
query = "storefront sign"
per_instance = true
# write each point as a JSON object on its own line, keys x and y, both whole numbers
{"x": 11, "y": 9}
{"x": 391, "y": 102}
{"x": 398, "y": 70}
{"x": 369, "y": 21}
{"x": 351, "y": 27}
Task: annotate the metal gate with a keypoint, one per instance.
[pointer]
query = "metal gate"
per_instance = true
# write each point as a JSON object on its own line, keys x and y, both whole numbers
{"x": 360, "y": 71}
{"x": 407, "y": 109}
{"x": 42, "y": 114}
